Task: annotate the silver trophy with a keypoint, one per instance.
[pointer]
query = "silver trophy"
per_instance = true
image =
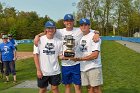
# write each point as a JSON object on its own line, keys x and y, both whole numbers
{"x": 70, "y": 43}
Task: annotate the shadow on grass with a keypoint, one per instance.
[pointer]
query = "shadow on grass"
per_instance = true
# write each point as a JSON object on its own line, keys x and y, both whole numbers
{"x": 121, "y": 90}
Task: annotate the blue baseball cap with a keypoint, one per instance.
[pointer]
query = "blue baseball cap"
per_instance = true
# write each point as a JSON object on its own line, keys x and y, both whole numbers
{"x": 49, "y": 24}
{"x": 68, "y": 17}
{"x": 84, "y": 21}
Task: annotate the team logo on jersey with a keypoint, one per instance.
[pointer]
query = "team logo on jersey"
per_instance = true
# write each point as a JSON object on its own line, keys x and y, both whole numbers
{"x": 49, "y": 46}
{"x": 6, "y": 48}
{"x": 83, "y": 46}
{"x": 49, "y": 49}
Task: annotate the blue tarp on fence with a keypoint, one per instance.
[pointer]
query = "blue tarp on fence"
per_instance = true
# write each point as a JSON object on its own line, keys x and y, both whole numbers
{"x": 129, "y": 39}
{"x": 111, "y": 37}
{"x": 24, "y": 41}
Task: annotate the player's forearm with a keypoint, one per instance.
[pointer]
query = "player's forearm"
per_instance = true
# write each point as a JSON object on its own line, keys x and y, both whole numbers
{"x": 93, "y": 55}
{"x": 41, "y": 34}
{"x": 36, "y": 60}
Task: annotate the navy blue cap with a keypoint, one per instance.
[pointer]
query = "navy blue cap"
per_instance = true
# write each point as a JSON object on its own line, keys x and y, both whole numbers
{"x": 50, "y": 24}
{"x": 84, "y": 21}
{"x": 68, "y": 17}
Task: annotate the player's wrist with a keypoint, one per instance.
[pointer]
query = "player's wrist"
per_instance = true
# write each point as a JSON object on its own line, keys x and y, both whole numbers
{"x": 38, "y": 70}
{"x": 79, "y": 59}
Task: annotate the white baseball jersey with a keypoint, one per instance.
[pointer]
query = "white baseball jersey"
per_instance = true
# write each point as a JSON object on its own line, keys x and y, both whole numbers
{"x": 86, "y": 47}
{"x": 49, "y": 50}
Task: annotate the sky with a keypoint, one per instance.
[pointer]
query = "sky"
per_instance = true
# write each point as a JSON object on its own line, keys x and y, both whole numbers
{"x": 55, "y": 9}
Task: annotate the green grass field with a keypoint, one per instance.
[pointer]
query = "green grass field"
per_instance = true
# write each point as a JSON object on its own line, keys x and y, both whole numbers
{"x": 25, "y": 47}
{"x": 121, "y": 68}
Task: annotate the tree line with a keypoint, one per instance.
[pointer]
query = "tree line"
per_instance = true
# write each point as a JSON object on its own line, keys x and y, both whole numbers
{"x": 22, "y": 24}
{"x": 122, "y": 15}
{"x": 110, "y": 17}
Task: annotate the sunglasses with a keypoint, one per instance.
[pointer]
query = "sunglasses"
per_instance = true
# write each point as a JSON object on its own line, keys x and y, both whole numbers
{"x": 4, "y": 38}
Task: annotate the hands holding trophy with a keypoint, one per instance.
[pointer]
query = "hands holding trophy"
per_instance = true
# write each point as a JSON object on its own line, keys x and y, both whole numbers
{"x": 69, "y": 53}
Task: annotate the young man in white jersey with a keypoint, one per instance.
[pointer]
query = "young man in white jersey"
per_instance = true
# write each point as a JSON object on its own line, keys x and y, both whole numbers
{"x": 46, "y": 59}
{"x": 70, "y": 69}
{"x": 90, "y": 59}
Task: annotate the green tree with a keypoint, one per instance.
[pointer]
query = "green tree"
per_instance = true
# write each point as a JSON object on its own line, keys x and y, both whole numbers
{"x": 60, "y": 24}
{"x": 10, "y": 12}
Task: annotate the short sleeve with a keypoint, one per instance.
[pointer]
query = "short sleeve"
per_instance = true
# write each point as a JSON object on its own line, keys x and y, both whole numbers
{"x": 36, "y": 50}
{"x": 96, "y": 46}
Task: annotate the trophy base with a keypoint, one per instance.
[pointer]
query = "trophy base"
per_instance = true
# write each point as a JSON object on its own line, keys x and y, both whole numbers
{"x": 69, "y": 54}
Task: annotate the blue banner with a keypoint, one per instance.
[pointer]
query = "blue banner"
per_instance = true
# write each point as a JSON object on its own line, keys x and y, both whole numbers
{"x": 129, "y": 39}
{"x": 24, "y": 41}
